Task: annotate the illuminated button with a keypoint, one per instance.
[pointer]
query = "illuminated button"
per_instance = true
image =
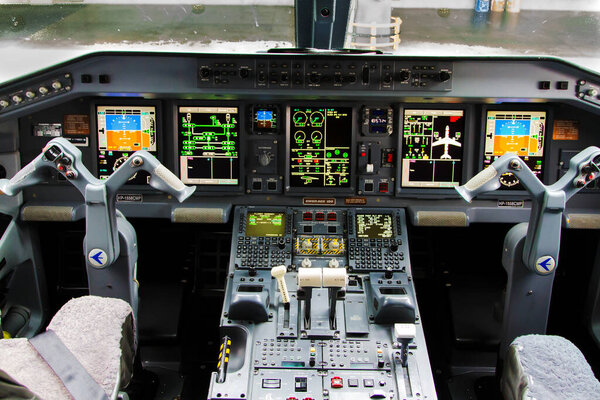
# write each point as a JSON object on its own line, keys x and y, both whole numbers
{"x": 43, "y": 90}
{"x": 383, "y": 187}
{"x": 353, "y": 382}
{"x": 271, "y": 383}
{"x": 307, "y": 216}
{"x": 337, "y": 382}
{"x": 331, "y": 216}
{"x": 368, "y": 382}
{"x": 4, "y": 103}
{"x": 17, "y": 99}
{"x": 320, "y": 216}
{"x": 56, "y": 85}
{"x": 30, "y": 94}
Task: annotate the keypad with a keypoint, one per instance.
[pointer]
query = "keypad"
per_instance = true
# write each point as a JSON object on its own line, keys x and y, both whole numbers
{"x": 263, "y": 252}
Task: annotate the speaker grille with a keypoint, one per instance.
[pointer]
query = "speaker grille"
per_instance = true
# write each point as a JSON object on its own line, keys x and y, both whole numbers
{"x": 583, "y": 221}
{"x": 47, "y": 213}
{"x": 441, "y": 218}
{"x": 199, "y": 215}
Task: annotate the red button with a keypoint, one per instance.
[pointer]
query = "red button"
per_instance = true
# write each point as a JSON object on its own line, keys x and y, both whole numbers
{"x": 331, "y": 216}
{"x": 337, "y": 382}
{"x": 383, "y": 187}
{"x": 320, "y": 216}
{"x": 307, "y": 216}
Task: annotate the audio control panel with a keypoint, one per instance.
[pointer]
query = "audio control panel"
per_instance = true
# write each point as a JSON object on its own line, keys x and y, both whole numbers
{"x": 320, "y": 304}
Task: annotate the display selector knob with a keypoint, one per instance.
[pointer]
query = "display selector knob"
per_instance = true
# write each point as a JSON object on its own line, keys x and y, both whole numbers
{"x": 265, "y": 158}
{"x": 444, "y": 76}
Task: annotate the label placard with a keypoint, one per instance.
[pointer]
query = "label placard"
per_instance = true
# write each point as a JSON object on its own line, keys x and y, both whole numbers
{"x": 77, "y": 124}
{"x": 317, "y": 201}
{"x": 130, "y": 198}
{"x": 355, "y": 201}
{"x": 565, "y": 130}
{"x": 510, "y": 203}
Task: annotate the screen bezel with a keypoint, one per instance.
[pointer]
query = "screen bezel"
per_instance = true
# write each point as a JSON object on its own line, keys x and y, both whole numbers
{"x": 127, "y": 102}
{"x": 547, "y": 145}
{"x": 233, "y": 189}
{"x": 468, "y": 143}
{"x": 353, "y": 173}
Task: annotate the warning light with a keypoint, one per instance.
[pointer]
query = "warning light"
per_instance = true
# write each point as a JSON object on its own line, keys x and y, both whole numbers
{"x": 363, "y": 154}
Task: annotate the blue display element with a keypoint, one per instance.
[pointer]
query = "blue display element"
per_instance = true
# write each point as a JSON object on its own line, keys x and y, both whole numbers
{"x": 512, "y": 127}
{"x": 264, "y": 115}
{"x": 123, "y": 122}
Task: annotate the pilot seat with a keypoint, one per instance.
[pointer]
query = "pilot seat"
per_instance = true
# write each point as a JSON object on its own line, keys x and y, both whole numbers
{"x": 86, "y": 352}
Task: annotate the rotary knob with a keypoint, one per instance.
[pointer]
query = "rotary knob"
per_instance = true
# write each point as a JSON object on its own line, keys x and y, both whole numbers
{"x": 444, "y": 76}
{"x": 265, "y": 158}
{"x": 306, "y": 263}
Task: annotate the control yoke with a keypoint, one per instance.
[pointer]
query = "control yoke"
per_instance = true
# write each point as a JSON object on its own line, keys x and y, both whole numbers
{"x": 102, "y": 238}
{"x": 540, "y": 252}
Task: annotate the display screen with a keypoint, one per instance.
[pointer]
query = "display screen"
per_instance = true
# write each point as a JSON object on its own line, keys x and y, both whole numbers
{"x": 123, "y": 130}
{"x": 265, "y": 224}
{"x": 208, "y": 140}
{"x": 374, "y": 226}
{"x": 265, "y": 119}
{"x": 432, "y": 148}
{"x": 320, "y": 142}
{"x": 518, "y": 132}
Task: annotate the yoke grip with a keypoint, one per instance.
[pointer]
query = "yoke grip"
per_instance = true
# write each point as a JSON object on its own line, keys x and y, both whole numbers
{"x": 161, "y": 178}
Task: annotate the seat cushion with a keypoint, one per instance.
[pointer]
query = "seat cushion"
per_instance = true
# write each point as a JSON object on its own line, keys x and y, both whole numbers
{"x": 546, "y": 367}
{"x": 100, "y": 334}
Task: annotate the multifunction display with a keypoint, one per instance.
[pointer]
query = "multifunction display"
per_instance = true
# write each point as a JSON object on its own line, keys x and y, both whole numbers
{"x": 123, "y": 130}
{"x": 208, "y": 140}
{"x": 518, "y": 132}
{"x": 432, "y": 148}
{"x": 374, "y": 226}
{"x": 320, "y": 143}
{"x": 265, "y": 224}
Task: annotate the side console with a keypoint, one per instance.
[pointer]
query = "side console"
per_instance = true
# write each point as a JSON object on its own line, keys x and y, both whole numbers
{"x": 320, "y": 304}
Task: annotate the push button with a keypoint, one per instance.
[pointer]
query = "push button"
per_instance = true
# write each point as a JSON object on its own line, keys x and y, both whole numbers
{"x": 353, "y": 382}
{"x": 301, "y": 384}
{"x": 367, "y": 382}
{"x": 337, "y": 382}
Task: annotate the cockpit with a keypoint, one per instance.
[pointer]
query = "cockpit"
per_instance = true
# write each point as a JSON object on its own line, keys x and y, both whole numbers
{"x": 347, "y": 213}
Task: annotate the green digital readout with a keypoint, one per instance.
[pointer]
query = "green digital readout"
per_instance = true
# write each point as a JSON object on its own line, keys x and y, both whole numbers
{"x": 265, "y": 224}
{"x": 320, "y": 141}
{"x": 374, "y": 226}
{"x": 208, "y": 140}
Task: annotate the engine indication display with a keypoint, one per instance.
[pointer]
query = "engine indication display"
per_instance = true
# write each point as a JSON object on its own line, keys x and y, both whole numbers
{"x": 320, "y": 142}
{"x": 208, "y": 145}
{"x": 518, "y": 132}
{"x": 123, "y": 130}
{"x": 265, "y": 224}
{"x": 374, "y": 226}
{"x": 432, "y": 148}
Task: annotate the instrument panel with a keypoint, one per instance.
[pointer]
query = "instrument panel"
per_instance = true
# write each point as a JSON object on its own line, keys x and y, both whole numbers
{"x": 279, "y": 129}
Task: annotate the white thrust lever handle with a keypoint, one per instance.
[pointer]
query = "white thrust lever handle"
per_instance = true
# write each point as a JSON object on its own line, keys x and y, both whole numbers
{"x": 278, "y": 273}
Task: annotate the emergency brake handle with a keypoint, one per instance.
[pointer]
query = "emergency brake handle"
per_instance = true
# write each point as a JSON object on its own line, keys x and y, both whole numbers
{"x": 161, "y": 178}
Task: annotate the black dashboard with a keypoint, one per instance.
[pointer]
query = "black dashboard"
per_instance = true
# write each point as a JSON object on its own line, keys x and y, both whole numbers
{"x": 313, "y": 130}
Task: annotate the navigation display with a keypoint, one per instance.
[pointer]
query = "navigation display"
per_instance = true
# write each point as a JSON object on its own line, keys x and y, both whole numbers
{"x": 123, "y": 130}
{"x": 265, "y": 224}
{"x": 374, "y": 226}
{"x": 320, "y": 142}
{"x": 432, "y": 148}
{"x": 518, "y": 132}
{"x": 208, "y": 140}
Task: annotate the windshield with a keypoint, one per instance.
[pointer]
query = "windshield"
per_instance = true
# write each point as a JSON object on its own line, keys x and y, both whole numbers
{"x": 38, "y": 36}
